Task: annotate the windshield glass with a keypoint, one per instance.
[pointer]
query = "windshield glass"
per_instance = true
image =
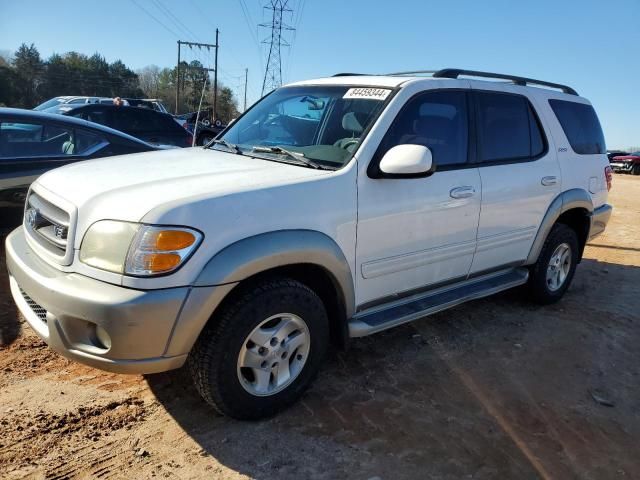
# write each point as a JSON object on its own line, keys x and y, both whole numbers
{"x": 324, "y": 124}
{"x": 54, "y": 102}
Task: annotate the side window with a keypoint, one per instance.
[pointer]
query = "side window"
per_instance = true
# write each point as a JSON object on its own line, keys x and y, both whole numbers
{"x": 34, "y": 140}
{"x": 507, "y": 128}
{"x": 85, "y": 141}
{"x": 130, "y": 119}
{"x": 581, "y": 126}
{"x": 437, "y": 120}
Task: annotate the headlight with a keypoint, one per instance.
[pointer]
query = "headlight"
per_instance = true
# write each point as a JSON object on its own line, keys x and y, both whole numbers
{"x": 135, "y": 249}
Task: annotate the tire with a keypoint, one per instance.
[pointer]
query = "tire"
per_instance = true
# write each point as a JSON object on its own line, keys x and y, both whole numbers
{"x": 204, "y": 139}
{"x": 636, "y": 169}
{"x": 546, "y": 284}
{"x": 226, "y": 344}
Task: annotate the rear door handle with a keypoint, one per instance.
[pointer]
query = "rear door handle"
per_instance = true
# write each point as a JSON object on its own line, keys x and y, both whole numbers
{"x": 549, "y": 181}
{"x": 462, "y": 192}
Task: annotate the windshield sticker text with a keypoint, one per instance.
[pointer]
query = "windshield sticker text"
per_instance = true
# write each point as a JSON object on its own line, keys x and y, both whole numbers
{"x": 371, "y": 93}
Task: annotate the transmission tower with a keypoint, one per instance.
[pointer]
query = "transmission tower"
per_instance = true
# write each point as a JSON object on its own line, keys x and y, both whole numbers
{"x": 273, "y": 71}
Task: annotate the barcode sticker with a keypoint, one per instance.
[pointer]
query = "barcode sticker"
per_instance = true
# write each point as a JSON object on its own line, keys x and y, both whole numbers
{"x": 371, "y": 93}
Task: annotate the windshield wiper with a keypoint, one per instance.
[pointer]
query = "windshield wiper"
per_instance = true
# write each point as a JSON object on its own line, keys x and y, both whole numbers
{"x": 294, "y": 155}
{"x": 230, "y": 146}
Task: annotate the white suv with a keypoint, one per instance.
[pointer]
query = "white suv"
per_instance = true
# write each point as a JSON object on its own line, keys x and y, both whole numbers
{"x": 334, "y": 208}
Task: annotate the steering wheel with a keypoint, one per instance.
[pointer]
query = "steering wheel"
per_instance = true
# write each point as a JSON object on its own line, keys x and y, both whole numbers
{"x": 348, "y": 143}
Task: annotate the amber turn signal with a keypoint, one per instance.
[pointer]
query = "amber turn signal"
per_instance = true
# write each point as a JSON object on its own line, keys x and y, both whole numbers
{"x": 160, "y": 262}
{"x": 170, "y": 240}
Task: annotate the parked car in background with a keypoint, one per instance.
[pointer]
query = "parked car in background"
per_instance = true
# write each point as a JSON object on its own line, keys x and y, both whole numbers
{"x": 615, "y": 153}
{"x": 152, "y": 103}
{"x": 148, "y": 125}
{"x": 32, "y": 143}
{"x": 627, "y": 163}
{"x": 68, "y": 100}
{"x": 205, "y": 132}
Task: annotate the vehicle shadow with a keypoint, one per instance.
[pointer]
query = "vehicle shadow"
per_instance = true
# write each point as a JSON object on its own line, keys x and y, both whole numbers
{"x": 10, "y": 326}
{"x": 496, "y": 388}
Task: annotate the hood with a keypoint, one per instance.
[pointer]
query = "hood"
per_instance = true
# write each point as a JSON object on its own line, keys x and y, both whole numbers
{"x": 127, "y": 187}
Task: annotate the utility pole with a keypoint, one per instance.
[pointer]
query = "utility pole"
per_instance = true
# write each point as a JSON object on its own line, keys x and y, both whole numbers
{"x": 215, "y": 83}
{"x": 246, "y": 76}
{"x": 178, "y": 80}
{"x": 208, "y": 46}
{"x": 273, "y": 71}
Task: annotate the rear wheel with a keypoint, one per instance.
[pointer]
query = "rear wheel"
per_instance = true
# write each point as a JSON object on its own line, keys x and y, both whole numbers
{"x": 262, "y": 350}
{"x": 552, "y": 274}
{"x": 636, "y": 169}
{"x": 204, "y": 139}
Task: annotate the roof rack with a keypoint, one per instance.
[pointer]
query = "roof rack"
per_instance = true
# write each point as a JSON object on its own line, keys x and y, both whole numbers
{"x": 411, "y": 72}
{"x": 455, "y": 73}
{"x": 347, "y": 74}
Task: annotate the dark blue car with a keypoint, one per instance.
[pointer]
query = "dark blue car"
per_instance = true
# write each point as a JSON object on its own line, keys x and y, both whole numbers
{"x": 32, "y": 143}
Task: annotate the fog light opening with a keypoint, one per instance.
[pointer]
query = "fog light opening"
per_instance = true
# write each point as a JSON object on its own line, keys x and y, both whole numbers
{"x": 102, "y": 338}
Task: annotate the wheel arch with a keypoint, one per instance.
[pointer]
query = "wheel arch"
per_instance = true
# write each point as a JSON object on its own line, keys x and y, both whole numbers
{"x": 573, "y": 208}
{"x": 308, "y": 256}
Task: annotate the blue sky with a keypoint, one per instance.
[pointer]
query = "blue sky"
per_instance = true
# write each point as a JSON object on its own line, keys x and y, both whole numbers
{"x": 593, "y": 46}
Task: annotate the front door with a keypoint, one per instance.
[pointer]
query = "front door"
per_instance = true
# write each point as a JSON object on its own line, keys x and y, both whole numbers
{"x": 418, "y": 232}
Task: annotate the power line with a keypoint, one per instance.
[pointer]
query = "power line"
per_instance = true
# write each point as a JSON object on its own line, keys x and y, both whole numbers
{"x": 155, "y": 19}
{"x": 175, "y": 19}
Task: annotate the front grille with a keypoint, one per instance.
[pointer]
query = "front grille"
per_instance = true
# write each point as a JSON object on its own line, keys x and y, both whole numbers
{"x": 40, "y": 312}
{"x": 47, "y": 224}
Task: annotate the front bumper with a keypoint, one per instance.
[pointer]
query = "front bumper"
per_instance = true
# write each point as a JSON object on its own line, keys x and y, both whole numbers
{"x": 102, "y": 325}
{"x": 599, "y": 219}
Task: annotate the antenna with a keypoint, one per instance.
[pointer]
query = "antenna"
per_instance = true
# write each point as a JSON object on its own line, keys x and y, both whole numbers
{"x": 273, "y": 70}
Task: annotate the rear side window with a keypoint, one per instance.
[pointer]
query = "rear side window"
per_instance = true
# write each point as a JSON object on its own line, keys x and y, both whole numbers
{"x": 581, "y": 126}
{"x": 507, "y": 128}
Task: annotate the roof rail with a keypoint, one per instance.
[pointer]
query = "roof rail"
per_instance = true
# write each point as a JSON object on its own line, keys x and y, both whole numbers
{"x": 456, "y": 72}
{"x": 411, "y": 72}
{"x": 347, "y": 74}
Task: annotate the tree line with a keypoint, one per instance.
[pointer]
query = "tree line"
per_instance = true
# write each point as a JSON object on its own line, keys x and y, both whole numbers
{"x": 27, "y": 80}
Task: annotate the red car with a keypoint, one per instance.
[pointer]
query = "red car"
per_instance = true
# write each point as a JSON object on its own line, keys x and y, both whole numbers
{"x": 627, "y": 163}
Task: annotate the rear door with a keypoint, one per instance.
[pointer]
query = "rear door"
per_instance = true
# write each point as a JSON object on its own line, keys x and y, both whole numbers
{"x": 519, "y": 172}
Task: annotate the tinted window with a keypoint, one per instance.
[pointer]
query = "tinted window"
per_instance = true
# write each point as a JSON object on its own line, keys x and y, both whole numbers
{"x": 437, "y": 120}
{"x": 581, "y": 126}
{"x": 507, "y": 128}
{"x": 34, "y": 140}
{"x": 135, "y": 119}
{"x": 92, "y": 115}
{"x": 86, "y": 141}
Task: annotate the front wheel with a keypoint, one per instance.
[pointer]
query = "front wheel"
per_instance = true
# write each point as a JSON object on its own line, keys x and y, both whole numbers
{"x": 263, "y": 349}
{"x": 551, "y": 275}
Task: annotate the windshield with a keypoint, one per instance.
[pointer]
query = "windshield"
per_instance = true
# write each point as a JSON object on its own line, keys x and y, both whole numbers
{"x": 54, "y": 102}
{"x": 324, "y": 124}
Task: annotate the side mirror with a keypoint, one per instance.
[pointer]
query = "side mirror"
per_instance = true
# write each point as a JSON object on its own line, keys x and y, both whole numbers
{"x": 407, "y": 161}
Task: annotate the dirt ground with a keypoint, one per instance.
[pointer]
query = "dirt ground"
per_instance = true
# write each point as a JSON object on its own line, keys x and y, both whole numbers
{"x": 497, "y": 388}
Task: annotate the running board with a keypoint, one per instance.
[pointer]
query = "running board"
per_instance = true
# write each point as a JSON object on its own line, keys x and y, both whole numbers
{"x": 408, "y": 309}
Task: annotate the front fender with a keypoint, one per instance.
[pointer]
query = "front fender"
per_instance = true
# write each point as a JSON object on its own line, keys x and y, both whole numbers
{"x": 266, "y": 251}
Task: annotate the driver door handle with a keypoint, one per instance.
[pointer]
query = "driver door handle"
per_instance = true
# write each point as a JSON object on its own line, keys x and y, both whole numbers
{"x": 549, "y": 181}
{"x": 462, "y": 192}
